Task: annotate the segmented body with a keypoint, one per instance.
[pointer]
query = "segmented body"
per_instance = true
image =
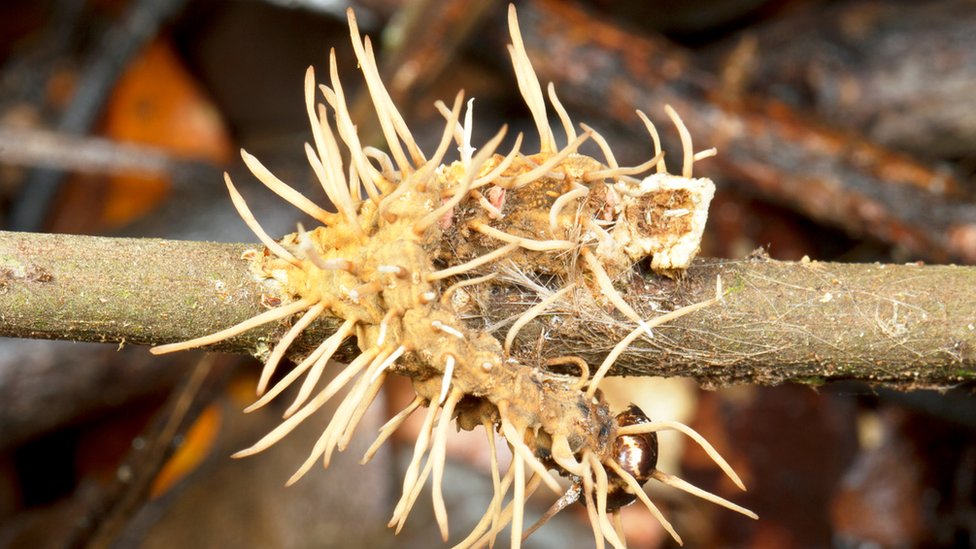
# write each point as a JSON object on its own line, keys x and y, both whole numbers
{"x": 378, "y": 264}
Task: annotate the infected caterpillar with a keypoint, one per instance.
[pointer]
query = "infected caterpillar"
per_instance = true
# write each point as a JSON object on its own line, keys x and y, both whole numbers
{"x": 378, "y": 264}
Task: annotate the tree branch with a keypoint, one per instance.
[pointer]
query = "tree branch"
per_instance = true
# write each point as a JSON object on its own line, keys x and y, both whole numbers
{"x": 907, "y": 325}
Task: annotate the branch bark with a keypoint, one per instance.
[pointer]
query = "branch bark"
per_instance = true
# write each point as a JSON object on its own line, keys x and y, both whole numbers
{"x": 905, "y": 325}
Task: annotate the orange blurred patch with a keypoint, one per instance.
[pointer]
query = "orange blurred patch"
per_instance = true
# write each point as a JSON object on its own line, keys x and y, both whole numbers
{"x": 197, "y": 445}
{"x": 157, "y": 103}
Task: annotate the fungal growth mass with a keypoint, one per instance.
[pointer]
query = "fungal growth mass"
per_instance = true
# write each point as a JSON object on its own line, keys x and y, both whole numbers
{"x": 377, "y": 263}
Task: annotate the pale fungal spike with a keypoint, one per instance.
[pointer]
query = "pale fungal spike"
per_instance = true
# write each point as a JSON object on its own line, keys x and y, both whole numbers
{"x": 562, "y": 454}
{"x": 390, "y": 427}
{"x": 386, "y": 164}
{"x": 326, "y": 444}
{"x": 446, "y": 378}
{"x": 514, "y": 438}
{"x": 285, "y": 191}
{"x": 331, "y": 345}
{"x": 345, "y": 207}
{"x": 530, "y": 314}
{"x": 686, "y": 145}
{"x": 602, "y": 484}
{"x": 452, "y": 118}
{"x": 388, "y": 362}
{"x": 320, "y": 400}
{"x": 656, "y": 426}
{"x": 454, "y": 127}
{"x": 591, "y": 510}
{"x": 518, "y": 501}
{"x": 347, "y": 130}
{"x": 661, "y": 167}
{"x": 341, "y": 184}
{"x": 638, "y": 491}
{"x": 315, "y": 121}
{"x": 618, "y": 526}
{"x": 449, "y": 330}
{"x": 290, "y": 377}
{"x": 493, "y": 212}
{"x": 560, "y": 203}
{"x": 282, "y": 346}
{"x": 491, "y": 176}
{"x": 611, "y": 357}
{"x": 377, "y": 92}
{"x": 604, "y": 146}
{"x": 413, "y": 469}
{"x": 584, "y": 368}
{"x": 385, "y": 325}
{"x": 496, "y": 484}
{"x": 528, "y": 83}
{"x": 478, "y": 537}
{"x": 394, "y": 270}
{"x": 252, "y": 223}
{"x": 611, "y": 293}
{"x": 280, "y": 313}
{"x": 489, "y": 257}
{"x": 356, "y": 294}
{"x": 504, "y": 516}
{"x": 402, "y": 130}
{"x": 707, "y": 153}
{"x": 527, "y": 243}
{"x": 411, "y": 498}
{"x": 461, "y": 190}
{"x": 308, "y": 248}
{"x": 363, "y": 402}
{"x": 561, "y": 112}
{"x": 446, "y": 296}
{"x": 438, "y": 453}
{"x": 617, "y": 172}
{"x": 685, "y": 486}
{"x": 466, "y": 150}
{"x": 543, "y": 169}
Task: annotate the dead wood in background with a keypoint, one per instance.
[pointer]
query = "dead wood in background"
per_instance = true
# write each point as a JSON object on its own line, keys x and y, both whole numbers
{"x": 764, "y": 146}
{"x": 908, "y": 325}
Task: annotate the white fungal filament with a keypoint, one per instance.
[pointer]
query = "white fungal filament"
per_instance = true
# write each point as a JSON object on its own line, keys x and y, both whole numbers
{"x": 604, "y": 146}
{"x": 284, "y": 311}
{"x": 446, "y": 378}
{"x": 285, "y": 191}
{"x": 560, "y": 203}
{"x": 656, "y": 426}
{"x": 530, "y": 314}
{"x": 282, "y": 346}
{"x": 661, "y": 167}
{"x": 450, "y": 330}
{"x": 617, "y": 172}
{"x": 253, "y": 224}
{"x": 685, "y": 486}
{"x": 474, "y": 263}
{"x": 561, "y": 112}
{"x": 611, "y": 293}
{"x": 527, "y": 243}
{"x": 686, "y": 146}
{"x": 390, "y": 427}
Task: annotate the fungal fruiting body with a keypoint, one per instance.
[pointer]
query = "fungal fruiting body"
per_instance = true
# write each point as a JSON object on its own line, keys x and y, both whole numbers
{"x": 379, "y": 264}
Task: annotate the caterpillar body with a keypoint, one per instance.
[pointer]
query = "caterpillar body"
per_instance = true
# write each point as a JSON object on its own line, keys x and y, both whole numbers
{"x": 378, "y": 264}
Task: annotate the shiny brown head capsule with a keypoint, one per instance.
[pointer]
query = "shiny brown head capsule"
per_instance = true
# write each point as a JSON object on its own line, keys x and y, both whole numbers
{"x": 635, "y": 454}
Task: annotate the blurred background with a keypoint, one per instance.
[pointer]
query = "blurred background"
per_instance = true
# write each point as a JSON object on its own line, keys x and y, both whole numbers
{"x": 846, "y": 131}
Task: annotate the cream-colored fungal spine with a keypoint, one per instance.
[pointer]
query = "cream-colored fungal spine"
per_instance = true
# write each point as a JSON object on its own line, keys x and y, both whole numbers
{"x": 379, "y": 264}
